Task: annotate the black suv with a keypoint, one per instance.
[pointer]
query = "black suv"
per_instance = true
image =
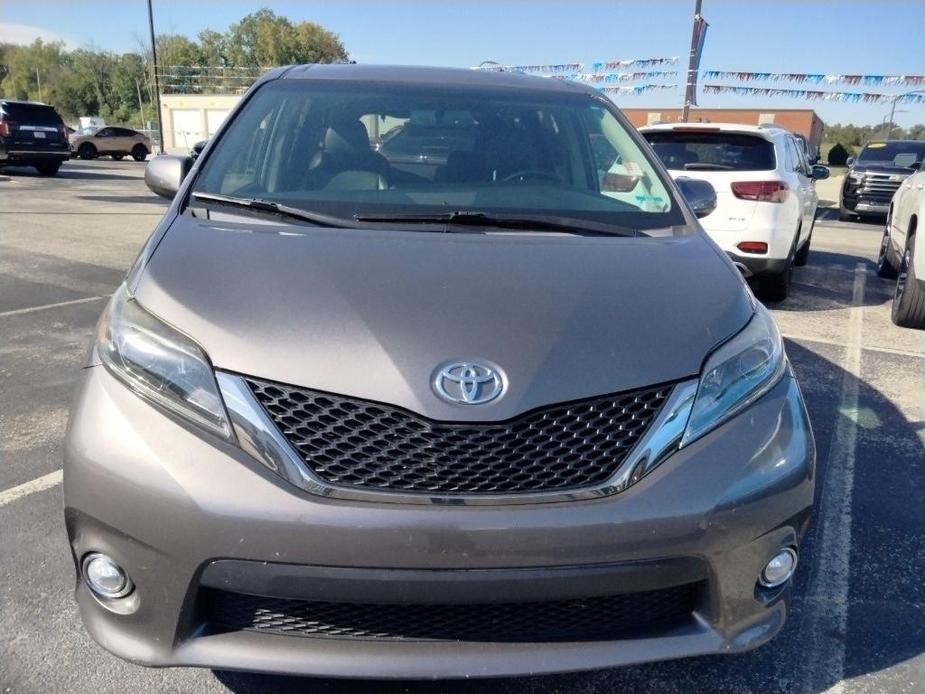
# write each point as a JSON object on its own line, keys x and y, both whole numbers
{"x": 876, "y": 175}
{"x": 32, "y": 134}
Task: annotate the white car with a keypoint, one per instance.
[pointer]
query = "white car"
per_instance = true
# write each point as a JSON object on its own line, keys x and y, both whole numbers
{"x": 112, "y": 141}
{"x": 765, "y": 193}
{"x": 898, "y": 257}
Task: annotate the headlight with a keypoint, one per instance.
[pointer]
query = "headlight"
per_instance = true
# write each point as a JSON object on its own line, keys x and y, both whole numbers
{"x": 160, "y": 364}
{"x": 856, "y": 176}
{"x": 736, "y": 374}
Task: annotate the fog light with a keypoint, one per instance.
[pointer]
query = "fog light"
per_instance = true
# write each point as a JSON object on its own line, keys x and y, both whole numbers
{"x": 106, "y": 578}
{"x": 779, "y": 570}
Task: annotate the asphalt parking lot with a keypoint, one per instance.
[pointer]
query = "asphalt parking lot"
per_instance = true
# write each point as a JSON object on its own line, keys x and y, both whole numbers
{"x": 858, "y": 623}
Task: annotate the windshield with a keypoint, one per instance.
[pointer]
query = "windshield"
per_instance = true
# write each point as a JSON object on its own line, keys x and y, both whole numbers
{"x": 365, "y": 149}
{"x": 700, "y": 149}
{"x": 34, "y": 114}
{"x": 902, "y": 153}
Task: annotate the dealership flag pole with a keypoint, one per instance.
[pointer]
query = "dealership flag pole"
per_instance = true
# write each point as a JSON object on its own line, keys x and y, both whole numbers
{"x": 698, "y": 36}
{"x": 157, "y": 86}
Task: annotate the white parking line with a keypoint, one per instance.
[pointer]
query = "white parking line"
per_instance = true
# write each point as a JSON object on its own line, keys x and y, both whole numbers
{"x": 37, "y": 485}
{"x": 32, "y": 309}
{"x": 826, "y": 605}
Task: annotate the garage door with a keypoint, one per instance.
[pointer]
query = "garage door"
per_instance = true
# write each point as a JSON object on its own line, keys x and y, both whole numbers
{"x": 187, "y": 127}
{"x": 214, "y": 118}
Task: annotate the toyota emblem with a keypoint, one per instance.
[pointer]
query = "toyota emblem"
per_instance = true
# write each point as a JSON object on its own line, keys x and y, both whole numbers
{"x": 468, "y": 383}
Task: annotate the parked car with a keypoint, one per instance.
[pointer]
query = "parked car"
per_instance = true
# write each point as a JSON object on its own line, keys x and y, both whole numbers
{"x": 32, "y": 134}
{"x": 766, "y": 200}
{"x": 810, "y": 151}
{"x": 346, "y": 419}
{"x": 113, "y": 141}
{"x": 875, "y": 176}
{"x": 898, "y": 258}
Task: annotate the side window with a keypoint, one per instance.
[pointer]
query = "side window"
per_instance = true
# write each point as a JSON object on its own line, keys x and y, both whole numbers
{"x": 105, "y": 132}
{"x": 793, "y": 152}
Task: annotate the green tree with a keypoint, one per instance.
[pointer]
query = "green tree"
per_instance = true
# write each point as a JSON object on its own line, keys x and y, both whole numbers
{"x": 264, "y": 39}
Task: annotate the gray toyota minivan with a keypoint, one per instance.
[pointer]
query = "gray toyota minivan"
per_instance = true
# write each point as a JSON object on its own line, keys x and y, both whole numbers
{"x": 432, "y": 373}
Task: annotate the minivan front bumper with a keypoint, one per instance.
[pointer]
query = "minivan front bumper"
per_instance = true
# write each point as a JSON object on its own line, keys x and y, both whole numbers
{"x": 190, "y": 517}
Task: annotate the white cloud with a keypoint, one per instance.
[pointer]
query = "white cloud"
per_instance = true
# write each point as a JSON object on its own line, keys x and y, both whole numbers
{"x": 24, "y": 34}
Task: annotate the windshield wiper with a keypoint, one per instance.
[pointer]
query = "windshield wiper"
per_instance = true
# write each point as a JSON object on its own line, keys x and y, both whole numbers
{"x": 567, "y": 225}
{"x": 261, "y": 205}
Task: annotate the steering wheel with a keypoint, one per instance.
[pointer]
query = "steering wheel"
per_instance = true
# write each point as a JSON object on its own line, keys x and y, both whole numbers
{"x": 527, "y": 174}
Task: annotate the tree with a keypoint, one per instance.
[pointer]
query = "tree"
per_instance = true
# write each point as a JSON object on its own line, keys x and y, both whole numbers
{"x": 264, "y": 39}
{"x": 838, "y": 155}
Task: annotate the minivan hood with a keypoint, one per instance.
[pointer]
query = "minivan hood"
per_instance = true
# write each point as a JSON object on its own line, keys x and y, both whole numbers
{"x": 373, "y": 313}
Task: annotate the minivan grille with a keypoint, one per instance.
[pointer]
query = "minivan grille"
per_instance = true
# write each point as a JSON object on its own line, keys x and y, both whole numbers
{"x": 367, "y": 445}
{"x": 603, "y": 618}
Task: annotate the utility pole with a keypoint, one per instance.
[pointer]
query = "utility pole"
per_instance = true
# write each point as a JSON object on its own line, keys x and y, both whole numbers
{"x": 39, "y": 82}
{"x": 141, "y": 106}
{"x": 693, "y": 64}
{"x": 896, "y": 98}
{"x": 157, "y": 84}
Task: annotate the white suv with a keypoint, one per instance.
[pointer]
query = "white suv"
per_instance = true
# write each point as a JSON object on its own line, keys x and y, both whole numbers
{"x": 765, "y": 193}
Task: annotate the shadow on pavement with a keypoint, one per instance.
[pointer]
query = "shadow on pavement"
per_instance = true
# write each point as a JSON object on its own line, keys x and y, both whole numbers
{"x": 826, "y": 284}
{"x": 151, "y": 199}
{"x": 885, "y": 622}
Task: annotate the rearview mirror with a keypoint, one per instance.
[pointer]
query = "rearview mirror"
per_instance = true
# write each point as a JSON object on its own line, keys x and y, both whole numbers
{"x": 700, "y": 195}
{"x": 820, "y": 172}
{"x": 165, "y": 172}
{"x": 850, "y": 161}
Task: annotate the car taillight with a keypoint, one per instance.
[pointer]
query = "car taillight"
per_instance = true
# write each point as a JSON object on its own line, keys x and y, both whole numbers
{"x": 753, "y": 247}
{"x": 62, "y": 131}
{"x": 6, "y": 127}
{"x": 762, "y": 191}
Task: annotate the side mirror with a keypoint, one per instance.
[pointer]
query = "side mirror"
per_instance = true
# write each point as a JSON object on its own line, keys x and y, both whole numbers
{"x": 700, "y": 195}
{"x": 165, "y": 172}
{"x": 850, "y": 161}
{"x": 820, "y": 172}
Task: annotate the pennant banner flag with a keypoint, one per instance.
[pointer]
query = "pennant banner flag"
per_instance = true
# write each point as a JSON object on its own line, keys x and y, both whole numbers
{"x": 556, "y": 68}
{"x": 636, "y": 88}
{"x": 815, "y": 78}
{"x": 601, "y": 66}
{"x": 813, "y": 95}
{"x": 560, "y": 68}
{"x": 621, "y": 76}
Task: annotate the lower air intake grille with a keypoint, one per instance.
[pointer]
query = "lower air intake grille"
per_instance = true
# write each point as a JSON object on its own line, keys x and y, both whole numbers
{"x": 587, "y": 619}
{"x": 361, "y": 444}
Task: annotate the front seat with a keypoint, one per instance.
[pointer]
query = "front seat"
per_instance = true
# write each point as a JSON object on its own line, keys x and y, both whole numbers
{"x": 346, "y": 148}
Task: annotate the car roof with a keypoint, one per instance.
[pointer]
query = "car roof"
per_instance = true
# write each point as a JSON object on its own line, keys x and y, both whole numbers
{"x": 19, "y": 102}
{"x": 765, "y": 131}
{"x": 443, "y": 76}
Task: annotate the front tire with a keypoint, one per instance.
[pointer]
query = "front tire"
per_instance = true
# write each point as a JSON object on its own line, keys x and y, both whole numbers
{"x": 909, "y": 299}
{"x": 87, "y": 151}
{"x": 802, "y": 256}
{"x": 886, "y": 263}
{"x": 139, "y": 152}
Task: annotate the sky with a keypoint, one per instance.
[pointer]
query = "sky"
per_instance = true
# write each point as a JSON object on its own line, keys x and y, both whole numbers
{"x": 811, "y": 36}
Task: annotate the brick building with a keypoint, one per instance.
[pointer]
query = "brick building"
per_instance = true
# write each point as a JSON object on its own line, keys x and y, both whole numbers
{"x": 803, "y": 121}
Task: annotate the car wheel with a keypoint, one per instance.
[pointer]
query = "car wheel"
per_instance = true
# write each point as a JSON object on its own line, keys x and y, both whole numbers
{"x": 86, "y": 151}
{"x": 886, "y": 264}
{"x": 802, "y": 256}
{"x": 118, "y": 157}
{"x": 48, "y": 168}
{"x": 909, "y": 299}
{"x": 139, "y": 152}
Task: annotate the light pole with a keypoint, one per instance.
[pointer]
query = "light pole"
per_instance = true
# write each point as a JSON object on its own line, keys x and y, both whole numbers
{"x": 693, "y": 63}
{"x": 157, "y": 84}
{"x": 893, "y": 108}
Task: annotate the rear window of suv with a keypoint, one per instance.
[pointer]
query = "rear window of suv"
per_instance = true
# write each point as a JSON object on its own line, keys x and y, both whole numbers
{"x": 691, "y": 150}
{"x": 33, "y": 114}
